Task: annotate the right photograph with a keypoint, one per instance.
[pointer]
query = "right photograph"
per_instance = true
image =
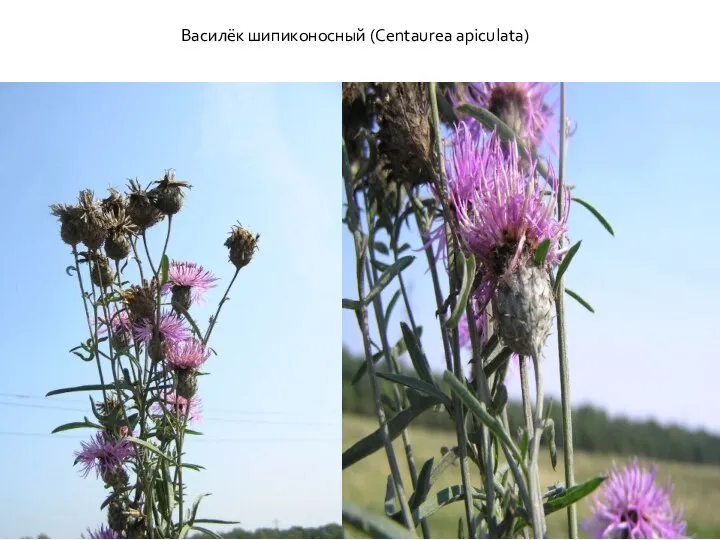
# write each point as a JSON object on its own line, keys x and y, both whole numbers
{"x": 529, "y": 310}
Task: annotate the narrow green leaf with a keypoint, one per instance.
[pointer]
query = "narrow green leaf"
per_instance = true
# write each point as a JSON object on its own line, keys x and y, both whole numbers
{"x": 386, "y": 277}
{"x": 565, "y": 497}
{"x": 423, "y": 485}
{"x": 524, "y": 444}
{"x": 374, "y": 442}
{"x": 371, "y": 525}
{"x": 549, "y": 435}
{"x": 429, "y": 389}
{"x": 75, "y": 425}
{"x": 380, "y": 266}
{"x": 389, "y": 496}
{"x": 353, "y": 305}
{"x": 604, "y": 222}
{"x": 208, "y": 532}
{"x": 381, "y": 248}
{"x": 217, "y": 522}
{"x": 468, "y": 277}
{"x": 461, "y": 529}
{"x": 565, "y": 263}
{"x": 417, "y": 356}
{"x": 479, "y": 410}
{"x": 164, "y": 269}
{"x": 542, "y": 251}
{"x": 70, "y": 269}
{"x": 575, "y": 296}
{"x": 87, "y": 388}
{"x": 151, "y": 447}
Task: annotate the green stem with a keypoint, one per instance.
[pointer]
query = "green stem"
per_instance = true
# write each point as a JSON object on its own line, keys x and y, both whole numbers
{"x": 568, "y": 453}
{"x": 353, "y": 222}
{"x": 220, "y": 305}
{"x": 440, "y": 183}
{"x": 536, "y": 511}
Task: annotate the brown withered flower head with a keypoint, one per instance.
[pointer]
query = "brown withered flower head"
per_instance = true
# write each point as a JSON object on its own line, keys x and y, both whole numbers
{"x": 114, "y": 204}
{"x": 71, "y": 224}
{"x": 358, "y": 115}
{"x": 121, "y": 227}
{"x": 100, "y": 272}
{"x": 140, "y": 301}
{"x": 140, "y": 208}
{"x": 167, "y": 196}
{"x": 95, "y": 225}
{"x": 242, "y": 245}
{"x": 405, "y": 136}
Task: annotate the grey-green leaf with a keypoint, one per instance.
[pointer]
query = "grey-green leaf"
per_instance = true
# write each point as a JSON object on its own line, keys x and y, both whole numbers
{"x": 386, "y": 277}
{"x": 542, "y": 251}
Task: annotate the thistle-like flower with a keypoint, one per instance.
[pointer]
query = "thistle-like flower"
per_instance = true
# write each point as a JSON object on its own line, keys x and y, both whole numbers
{"x": 100, "y": 272}
{"x": 242, "y": 245}
{"x": 71, "y": 223}
{"x": 170, "y": 330}
{"x": 188, "y": 282}
{"x": 504, "y": 212}
{"x": 166, "y": 196}
{"x": 95, "y": 224}
{"x": 186, "y": 354}
{"x": 104, "y": 454}
{"x": 178, "y": 405}
{"x": 120, "y": 228}
{"x": 140, "y": 208}
{"x": 141, "y": 300}
{"x": 632, "y": 505}
{"x": 521, "y": 105}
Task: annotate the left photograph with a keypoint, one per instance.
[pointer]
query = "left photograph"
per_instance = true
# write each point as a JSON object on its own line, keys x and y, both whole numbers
{"x": 170, "y": 326}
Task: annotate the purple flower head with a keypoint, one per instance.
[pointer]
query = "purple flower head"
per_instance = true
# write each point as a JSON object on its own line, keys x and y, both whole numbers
{"x": 192, "y": 276}
{"x": 632, "y": 505}
{"x": 103, "y": 454}
{"x": 171, "y": 329}
{"x": 179, "y": 405}
{"x": 120, "y": 326}
{"x": 103, "y": 531}
{"x": 505, "y": 210}
{"x": 521, "y": 105}
{"x": 187, "y": 354}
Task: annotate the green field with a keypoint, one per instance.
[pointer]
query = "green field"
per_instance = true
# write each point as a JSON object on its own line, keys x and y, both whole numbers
{"x": 697, "y": 487}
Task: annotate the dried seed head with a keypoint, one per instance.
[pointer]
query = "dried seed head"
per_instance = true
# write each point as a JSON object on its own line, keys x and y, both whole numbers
{"x": 141, "y": 301}
{"x": 71, "y": 224}
{"x": 95, "y": 224}
{"x": 405, "y": 137}
{"x": 100, "y": 272}
{"x": 181, "y": 296}
{"x": 523, "y": 306}
{"x": 167, "y": 196}
{"x": 140, "y": 208}
{"x": 242, "y": 245}
{"x": 187, "y": 383}
{"x": 117, "y": 245}
{"x": 113, "y": 206}
{"x": 110, "y": 408}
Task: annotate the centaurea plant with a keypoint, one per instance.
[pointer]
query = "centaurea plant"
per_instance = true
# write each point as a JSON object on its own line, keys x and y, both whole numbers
{"x": 491, "y": 217}
{"x": 147, "y": 350}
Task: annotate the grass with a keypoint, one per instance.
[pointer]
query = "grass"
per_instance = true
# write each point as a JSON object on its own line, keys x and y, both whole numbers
{"x": 697, "y": 487}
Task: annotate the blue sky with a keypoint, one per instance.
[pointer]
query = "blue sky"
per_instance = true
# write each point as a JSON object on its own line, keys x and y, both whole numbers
{"x": 266, "y": 155}
{"x": 644, "y": 155}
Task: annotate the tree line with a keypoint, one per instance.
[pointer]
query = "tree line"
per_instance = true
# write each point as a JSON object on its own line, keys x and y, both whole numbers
{"x": 593, "y": 429}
